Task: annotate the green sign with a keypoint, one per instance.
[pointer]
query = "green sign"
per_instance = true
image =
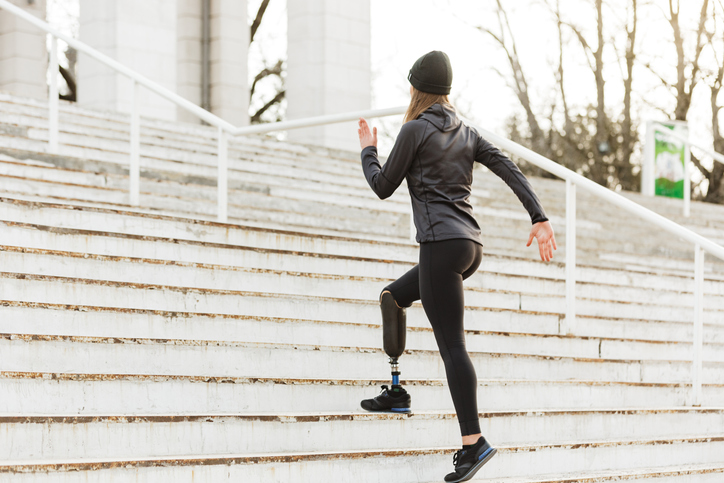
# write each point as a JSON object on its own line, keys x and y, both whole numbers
{"x": 670, "y": 156}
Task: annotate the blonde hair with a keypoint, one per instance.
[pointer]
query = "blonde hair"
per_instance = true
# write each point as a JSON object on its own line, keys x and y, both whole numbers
{"x": 421, "y": 101}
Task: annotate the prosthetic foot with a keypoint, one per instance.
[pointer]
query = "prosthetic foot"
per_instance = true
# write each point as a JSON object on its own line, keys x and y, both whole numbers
{"x": 394, "y": 327}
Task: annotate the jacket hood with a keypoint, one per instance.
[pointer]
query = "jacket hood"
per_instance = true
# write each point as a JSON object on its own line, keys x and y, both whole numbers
{"x": 442, "y": 117}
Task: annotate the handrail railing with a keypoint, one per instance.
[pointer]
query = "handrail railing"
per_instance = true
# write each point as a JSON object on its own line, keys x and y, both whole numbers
{"x": 572, "y": 179}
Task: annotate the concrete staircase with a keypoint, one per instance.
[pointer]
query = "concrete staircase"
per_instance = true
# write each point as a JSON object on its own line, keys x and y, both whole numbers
{"x": 153, "y": 344}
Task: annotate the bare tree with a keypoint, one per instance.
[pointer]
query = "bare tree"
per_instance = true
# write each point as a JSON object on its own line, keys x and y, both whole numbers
{"x": 504, "y": 37}
{"x": 715, "y": 176}
{"x": 590, "y": 142}
{"x": 685, "y": 84}
{"x": 277, "y": 70}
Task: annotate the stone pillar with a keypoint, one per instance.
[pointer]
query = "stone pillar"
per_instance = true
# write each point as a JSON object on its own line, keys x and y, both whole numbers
{"x": 141, "y": 35}
{"x": 23, "y": 52}
{"x": 229, "y": 53}
{"x": 328, "y": 67}
{"x": 188, "y": 61}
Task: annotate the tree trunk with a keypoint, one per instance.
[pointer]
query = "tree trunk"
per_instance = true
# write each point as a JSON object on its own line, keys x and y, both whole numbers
{"x": 629, "y": 137}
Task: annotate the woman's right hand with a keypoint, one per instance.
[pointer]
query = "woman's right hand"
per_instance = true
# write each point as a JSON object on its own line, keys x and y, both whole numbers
{"x": 543, "y": 233}
{"x": 366, "y": 138}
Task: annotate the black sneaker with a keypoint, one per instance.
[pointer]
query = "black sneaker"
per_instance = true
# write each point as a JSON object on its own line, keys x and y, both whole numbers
{"x": 468, "y": 462}
{"x": 395, "y": 400}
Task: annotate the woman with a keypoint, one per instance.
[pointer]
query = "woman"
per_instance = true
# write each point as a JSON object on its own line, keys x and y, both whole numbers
{"x": 435, "y": 152}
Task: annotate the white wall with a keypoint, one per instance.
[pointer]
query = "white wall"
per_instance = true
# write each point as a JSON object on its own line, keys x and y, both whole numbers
{"x": 328, "y": 67}
{"x": 23, "y": 53}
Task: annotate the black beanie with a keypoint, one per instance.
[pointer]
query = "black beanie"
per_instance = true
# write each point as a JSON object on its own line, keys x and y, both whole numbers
{"x": 432, "y": 73}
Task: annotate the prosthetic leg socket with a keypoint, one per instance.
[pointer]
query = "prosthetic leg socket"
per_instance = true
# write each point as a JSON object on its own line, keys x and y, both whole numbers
{"x": 394, "y": 329}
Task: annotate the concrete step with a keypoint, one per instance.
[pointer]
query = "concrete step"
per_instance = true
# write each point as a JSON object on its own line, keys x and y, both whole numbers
{"x": 491, "y": 276}
{"x": 116, "y": 355}
{"x": 92, "y": 173}
{"x": 29, "y": 212}
{"x": 327, "y": 218}
{"x": 350, "y": 319}
{"x": 172, "y": 212}
{"x": 65, "y": 319}
{"x": 24, "y": 214}
{"x": 61, "y": 437}
{"x": 144, "y": 225}
{"x": 162, "y": 133}
{"x": 24, "y": 318}
{"x": 115, "y": 126}
{"x": 214, "y": 281}
{"x": 33, "y": 393}
{"x": 273, "y": 209}
{"x": 669, "y": 461}
{"x": 167, "y": 183}
{"x": 310, "y": 225}
{"x": 186, "y": 162}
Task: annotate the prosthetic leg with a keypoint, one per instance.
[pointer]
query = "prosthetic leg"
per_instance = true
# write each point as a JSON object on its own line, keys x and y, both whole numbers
{"x": 394, "y": 328}
{"x": 392, "y": 399}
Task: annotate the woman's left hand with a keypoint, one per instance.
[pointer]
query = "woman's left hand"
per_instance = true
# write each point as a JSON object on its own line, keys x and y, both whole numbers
{"x": 366, "y": 138}
{"x": 543, "y": 233}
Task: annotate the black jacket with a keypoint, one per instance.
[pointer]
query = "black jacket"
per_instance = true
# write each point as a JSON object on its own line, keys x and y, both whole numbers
{"x": 435, "y": 153}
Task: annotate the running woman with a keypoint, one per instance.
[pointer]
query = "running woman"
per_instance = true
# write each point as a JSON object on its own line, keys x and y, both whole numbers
{"x": 435, "y": 153}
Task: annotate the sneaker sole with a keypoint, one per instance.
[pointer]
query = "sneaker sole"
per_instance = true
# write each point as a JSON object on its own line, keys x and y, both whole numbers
{"x": 482, "y": 459}
{"x": 391, "y": 410}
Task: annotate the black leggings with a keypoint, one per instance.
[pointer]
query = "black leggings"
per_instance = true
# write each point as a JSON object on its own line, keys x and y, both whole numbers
{"x": 438, "y": 282}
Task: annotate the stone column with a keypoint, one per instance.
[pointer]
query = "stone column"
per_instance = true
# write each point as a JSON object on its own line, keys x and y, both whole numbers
{"x": 229, "y": 53}
{"x": 23, "y": 52}
{"x": 328, "y": 66}
{"x": 188, "y": 61}
{"x": 141, "y": 35}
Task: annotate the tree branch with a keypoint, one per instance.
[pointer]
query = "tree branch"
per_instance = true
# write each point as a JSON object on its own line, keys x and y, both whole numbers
{"x": 699, "y": 166}
{"x": 257, "y": 20}
{"x": 276, "y": 70}
{"x": 256, "y": 118}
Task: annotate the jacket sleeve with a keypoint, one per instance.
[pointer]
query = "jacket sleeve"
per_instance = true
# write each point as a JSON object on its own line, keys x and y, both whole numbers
{"x": 384, "y": 180}
{"x": 491, "y": 157}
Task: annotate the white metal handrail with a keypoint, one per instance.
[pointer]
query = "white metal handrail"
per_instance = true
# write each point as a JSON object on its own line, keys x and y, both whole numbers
{"x": 572, "y": 179}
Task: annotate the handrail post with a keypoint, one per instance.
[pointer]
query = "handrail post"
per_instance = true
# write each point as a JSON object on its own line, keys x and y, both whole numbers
{"x": 53, "y": 97}
{"x": 222, "y": 176}
{"x": 134, "y": 172}
{"x": 570, "y": 320}
{"x": 697, "y": 348}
